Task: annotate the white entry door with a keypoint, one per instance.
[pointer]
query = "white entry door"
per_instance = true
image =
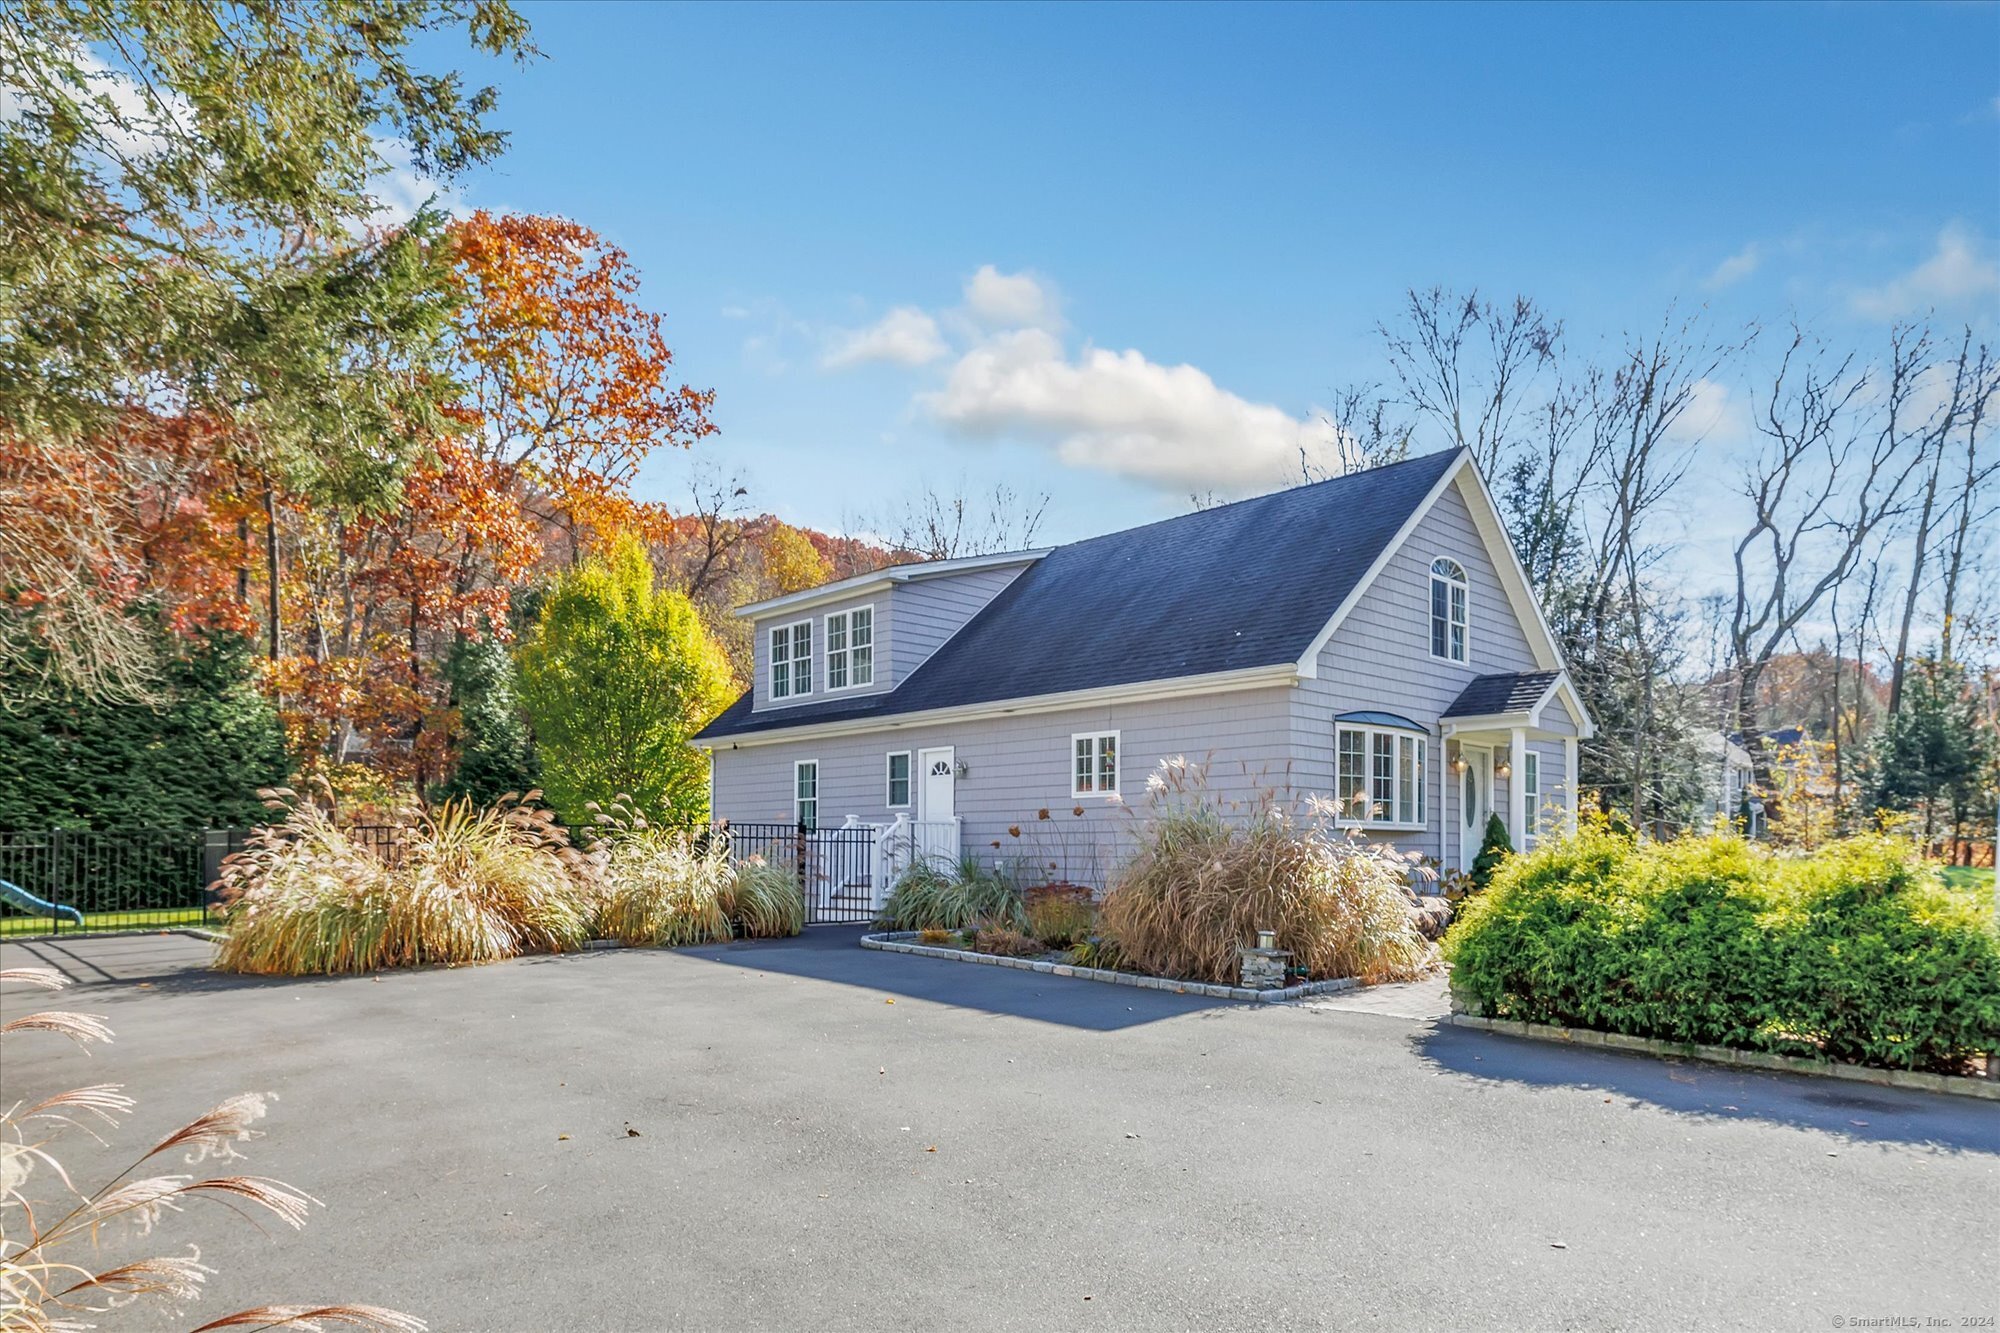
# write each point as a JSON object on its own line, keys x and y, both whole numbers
{"x": 936, "y": 780}
{"x": 1475, "y": 802}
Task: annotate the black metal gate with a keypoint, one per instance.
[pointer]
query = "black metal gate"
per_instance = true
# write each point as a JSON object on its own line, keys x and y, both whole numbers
{"x": 835, "y": 866}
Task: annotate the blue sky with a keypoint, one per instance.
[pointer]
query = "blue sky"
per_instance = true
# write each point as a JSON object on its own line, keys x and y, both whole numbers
{"x": 1191, "y": 218}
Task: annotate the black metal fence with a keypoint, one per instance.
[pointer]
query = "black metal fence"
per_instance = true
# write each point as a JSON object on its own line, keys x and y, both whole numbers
{"x": 127, "y": 879}
{"x": 149, "y": 879}
{"x": 835, "y": 867}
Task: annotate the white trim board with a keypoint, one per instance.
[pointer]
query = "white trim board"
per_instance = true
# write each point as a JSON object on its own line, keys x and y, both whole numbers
{"x": 1173, "y": 687}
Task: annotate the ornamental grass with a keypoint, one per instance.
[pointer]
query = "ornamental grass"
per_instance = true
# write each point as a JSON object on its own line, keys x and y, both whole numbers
{"x": 930, "y": 896}
{"x": 1207, "y": 876}
{"x": 662, "y": 886}
{"x": 471, "y": 885}
{"x": 763, "y": 900}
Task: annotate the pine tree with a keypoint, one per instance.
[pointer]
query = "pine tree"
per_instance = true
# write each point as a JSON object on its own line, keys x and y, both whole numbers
{"x": 1932, "y": 753}
{"x": 496, "y": 755}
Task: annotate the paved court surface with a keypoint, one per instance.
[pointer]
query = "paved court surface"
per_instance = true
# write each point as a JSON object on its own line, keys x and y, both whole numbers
{"x": 831, "y": 1138}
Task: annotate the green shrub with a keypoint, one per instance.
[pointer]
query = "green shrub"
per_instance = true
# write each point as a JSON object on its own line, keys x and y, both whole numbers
{"x": 470, "y": 885}
{"x": 1097, "y": 952}
{"x": 1857, "y": 953}
{"x": 1205, "y": 880}
{"x": 932, "y": 897}
{"x": 763, "y": 900}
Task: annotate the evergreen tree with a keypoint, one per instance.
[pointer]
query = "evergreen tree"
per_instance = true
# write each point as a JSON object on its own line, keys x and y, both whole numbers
{"x": 1931, "y": 755}
{"x": 495, "y": 753}
{"x": 1493, "y": 849}
{"x": 615, "y": 677}
{"x": 193, "y": 759}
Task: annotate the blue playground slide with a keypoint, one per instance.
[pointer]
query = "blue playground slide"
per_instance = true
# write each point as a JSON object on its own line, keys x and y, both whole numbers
{"x": 16, "y": 896}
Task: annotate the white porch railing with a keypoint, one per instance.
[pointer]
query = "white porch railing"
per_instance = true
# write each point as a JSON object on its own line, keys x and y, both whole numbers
{"x": 905, "y": 842}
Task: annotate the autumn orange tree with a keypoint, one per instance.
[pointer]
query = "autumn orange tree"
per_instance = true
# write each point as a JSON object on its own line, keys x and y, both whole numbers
{"x": 569, "y": 379}
{"x": 567, "y": 387}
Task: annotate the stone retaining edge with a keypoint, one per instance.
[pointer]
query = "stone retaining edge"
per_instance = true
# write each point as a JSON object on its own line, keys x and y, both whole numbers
{"x": 899, "y": 942}
{"x": 1956, "y": 1085}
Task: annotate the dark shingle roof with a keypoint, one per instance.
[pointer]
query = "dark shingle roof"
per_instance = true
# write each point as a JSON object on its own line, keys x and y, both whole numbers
{"x": 1238, "y": 586}
{"x": 1507, "y": 692}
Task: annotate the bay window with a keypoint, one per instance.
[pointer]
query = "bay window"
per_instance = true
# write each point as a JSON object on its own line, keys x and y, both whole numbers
{"x": 1380, "y": 776}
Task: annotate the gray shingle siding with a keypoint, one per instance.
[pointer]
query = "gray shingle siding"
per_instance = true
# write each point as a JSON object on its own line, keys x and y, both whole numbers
{"x": 1019, "y": 765}
{"x": 932, "y": 610}
{"x": 1380, "y": 658}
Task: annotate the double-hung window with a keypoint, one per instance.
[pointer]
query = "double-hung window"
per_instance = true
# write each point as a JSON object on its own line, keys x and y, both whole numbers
{"x": 850, "y": 648}
{"x": 1449, "y": 614}
{"x": 805, "y": 793}
{"x": 1094, "y": 767}
{"x": 899, "y": 780}
{"x": 792, "y": 660}
{"x": 1380, "y": 776}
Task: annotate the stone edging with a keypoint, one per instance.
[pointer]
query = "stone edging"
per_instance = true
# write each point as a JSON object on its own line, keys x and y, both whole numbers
{"x": 1729, "y": 1055}
{"x": 900, "y": 941}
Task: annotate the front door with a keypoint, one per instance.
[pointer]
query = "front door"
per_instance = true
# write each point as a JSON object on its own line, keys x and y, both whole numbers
{"x": 936, "y": 798}
{"x": 1475, "y": 802}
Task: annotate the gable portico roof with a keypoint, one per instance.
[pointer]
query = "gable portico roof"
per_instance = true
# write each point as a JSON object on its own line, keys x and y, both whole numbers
{"x": 1231, "y": 593}
{"x": 1514, "y": 698}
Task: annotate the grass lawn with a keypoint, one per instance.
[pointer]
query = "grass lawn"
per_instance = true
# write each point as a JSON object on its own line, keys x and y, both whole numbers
{"x": 1967, "y": 877}
{"x": 161, "y": 919}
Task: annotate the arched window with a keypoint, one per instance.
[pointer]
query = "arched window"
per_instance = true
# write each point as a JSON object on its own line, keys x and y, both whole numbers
{"x": 1448, "y": 610}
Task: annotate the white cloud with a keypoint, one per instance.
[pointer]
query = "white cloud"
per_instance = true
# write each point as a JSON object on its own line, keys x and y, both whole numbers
{"x": 1715, "y": 414}
{"x": 1958, "y": 272}
{"x": 906, "y": 336}
{"x": 1735, "y": 268}
{"x": 1012, "y": 300}
{"x": 1121, "y": 413}
{"x": 399, "y": 189}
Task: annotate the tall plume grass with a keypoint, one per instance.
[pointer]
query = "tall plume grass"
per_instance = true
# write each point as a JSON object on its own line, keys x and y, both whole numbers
{"x": 471, "y": 886}
{"x": 1206, "y": 877}
{"x": 52, "y": 1273}
{"x": 677, "y": 887}
{"x": 931, "y": 896}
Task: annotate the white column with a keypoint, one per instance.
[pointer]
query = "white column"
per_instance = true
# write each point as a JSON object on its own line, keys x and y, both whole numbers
{"x": 1517, "y": 796}
{"x": 1570, "y": 782}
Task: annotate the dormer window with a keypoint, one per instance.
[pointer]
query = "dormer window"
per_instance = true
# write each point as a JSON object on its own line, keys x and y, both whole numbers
{"x": 850, "y": 648}
{"x": 1449, "y": 619}
{"x": 792, "y": 660}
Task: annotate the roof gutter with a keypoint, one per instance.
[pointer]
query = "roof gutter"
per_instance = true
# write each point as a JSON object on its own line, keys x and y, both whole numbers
{"x": 1219, "y": 682}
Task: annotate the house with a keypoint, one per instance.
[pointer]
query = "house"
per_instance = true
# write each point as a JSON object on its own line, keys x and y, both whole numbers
{"x": 1729, "y": 777}
{"x": 1371, "y": 638}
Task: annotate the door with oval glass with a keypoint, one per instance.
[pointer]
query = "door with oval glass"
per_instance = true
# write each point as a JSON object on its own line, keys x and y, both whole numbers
{"x": 936, "y": 785}
{"x": 1475, "y": 801}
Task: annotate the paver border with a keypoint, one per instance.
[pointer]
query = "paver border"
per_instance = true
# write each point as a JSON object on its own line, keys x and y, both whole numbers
{"x": 900, "y": 941}
{"x": 1957, "y": 1085}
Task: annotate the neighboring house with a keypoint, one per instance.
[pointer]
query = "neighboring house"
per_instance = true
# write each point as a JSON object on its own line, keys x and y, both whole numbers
{"x": 1727, "y": 784}
{"x": 1371, "y": 638}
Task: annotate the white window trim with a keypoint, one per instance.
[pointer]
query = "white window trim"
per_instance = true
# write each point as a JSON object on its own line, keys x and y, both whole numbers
{"x": 1096, "y": 753}
{"x": 797, "y": 813}
{"x": 791, "y": 637}
{"x": 1463, "y": 585}
{"x": 1531, "y": 795}
{"x": 847, "y": 636}
{"x": 1368, "y": 733}
{"x": 909, "y": 781}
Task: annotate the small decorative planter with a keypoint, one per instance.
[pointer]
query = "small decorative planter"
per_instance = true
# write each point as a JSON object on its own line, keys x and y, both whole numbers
{"x": 905, "y": 941}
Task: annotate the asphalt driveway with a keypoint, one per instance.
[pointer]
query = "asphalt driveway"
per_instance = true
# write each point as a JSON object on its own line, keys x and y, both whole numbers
{"x": 830, "y": 1139}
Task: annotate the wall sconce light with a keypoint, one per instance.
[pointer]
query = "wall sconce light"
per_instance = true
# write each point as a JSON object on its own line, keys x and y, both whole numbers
{"x": 964, "y": 769}
{"x": 1502, "y": 769}
{"x": 1458, "y": 763}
